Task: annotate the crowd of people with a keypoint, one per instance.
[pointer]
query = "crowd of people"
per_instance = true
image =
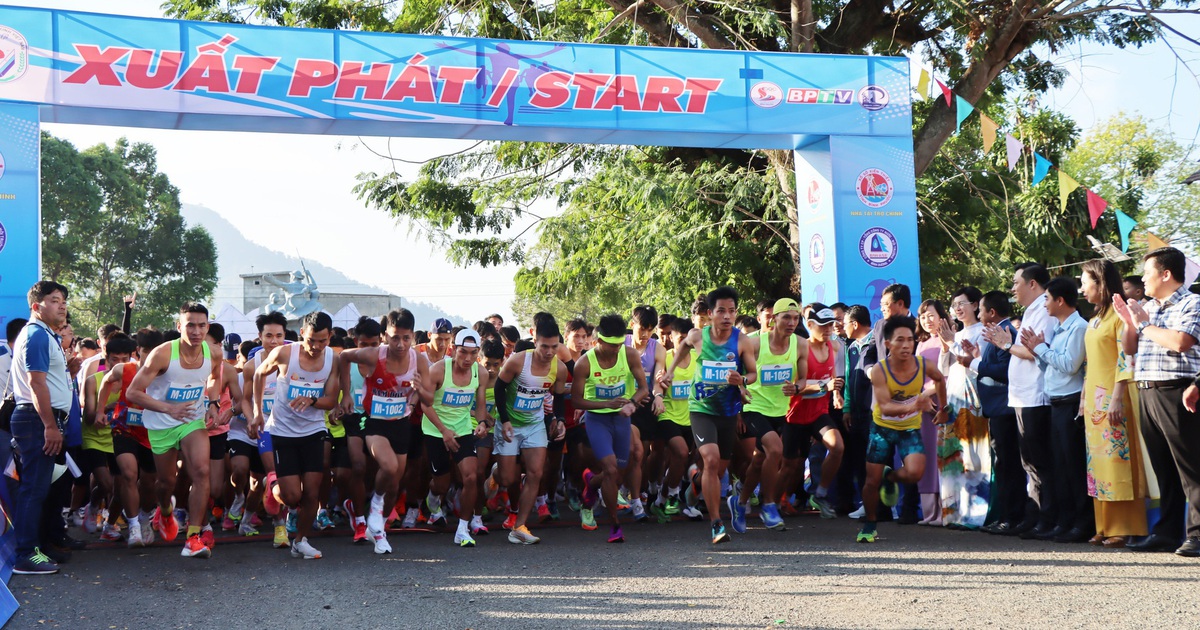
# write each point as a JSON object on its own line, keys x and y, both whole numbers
{"x": 1049, "y": 427}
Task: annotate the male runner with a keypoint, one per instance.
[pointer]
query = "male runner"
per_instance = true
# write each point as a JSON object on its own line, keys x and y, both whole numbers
{"x": 603, "y": 381}
{"x": 177, "y": 388}
{"x": 808, "y": 416}
{"x": 718, "y": 389}
{"x": 306, "y": 386}
{"x": 367, "y": 334}
{"x": 492, "y": 359}
{"x": 272, "y": 333}
{"x": 100, "y": 458}
{"x": 244, "y": 461}
{"x": 652, "y": 356}
{"x": 674, "y": 428}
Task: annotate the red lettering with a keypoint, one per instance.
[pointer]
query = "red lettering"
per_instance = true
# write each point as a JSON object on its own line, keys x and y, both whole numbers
{"x": 415, "y": 82}
{"x": 372, "y": 83}
{"x": 312, "y": 73}
{"x": 588, "y": 84}
{"x": 623, "y": 93}
{"x": 206, "y": 71}
{"x": 454, "y": 79}
{"x": 138, "y": 73}
{"x": 250, "y": 70}
{"x": 662, "y": 94}
{"x": 97, "y": 64}
{"x": 697, "y": 100}
{"x": 506, "y": 82}
{"x": 551, "y": 90}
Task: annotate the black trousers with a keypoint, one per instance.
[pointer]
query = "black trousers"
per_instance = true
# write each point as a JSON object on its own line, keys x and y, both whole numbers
{"x": 1172, "y": 436}
{"x": 1070, "y": 460}
{"x": 1037, "y": 457}
{"x": 1008, "y": 477}
{"x": 852, "y": 475}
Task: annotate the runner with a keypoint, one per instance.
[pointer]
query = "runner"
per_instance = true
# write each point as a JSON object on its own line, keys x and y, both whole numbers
{"x": 440, "y": 336}
{"x": 642, "y": 461}
{"x": 782, "y": 361}
{"x": 808, "y": 416}
{"x": 674, "y": 430}
{"x": 521, "y": 389}
{"x": 366, "y": 335}
{"x": 578, "y": 456}
{"x": 492, "y": 359}
{"x": 392, "y": 387}
{"x": 244, "y": 461}
{"x": 218, "y": 437}
{"x": 272, "y": 333}
{"x": 308, "y": 372}
{"x": 718, "y": 388}
{"x": 900, "y": 397}
{"x": 608, "y": 385}
{"x": 177, "y": 388}
{"x": 99, "y": 453}
{"x": 458, "y": 394}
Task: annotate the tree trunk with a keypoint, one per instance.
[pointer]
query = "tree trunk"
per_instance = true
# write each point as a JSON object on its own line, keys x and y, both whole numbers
{"x": 783, "y": 163}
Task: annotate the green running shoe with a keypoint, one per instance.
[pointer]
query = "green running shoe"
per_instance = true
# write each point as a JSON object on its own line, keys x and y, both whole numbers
{"x": 660, "y": 513}
{"x": 866, "y": 534}
{"x": 889, "y": 491}
{"x": 672, "y": 505}
{"x": 587, "y": 519}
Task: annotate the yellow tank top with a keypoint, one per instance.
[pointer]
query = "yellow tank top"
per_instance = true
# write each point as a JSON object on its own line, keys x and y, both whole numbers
{"x": 96, "y": 437}
{"x": 901, "y": 392}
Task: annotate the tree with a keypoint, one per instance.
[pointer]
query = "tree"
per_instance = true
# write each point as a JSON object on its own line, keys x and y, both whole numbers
{"x": 112, "y": 227}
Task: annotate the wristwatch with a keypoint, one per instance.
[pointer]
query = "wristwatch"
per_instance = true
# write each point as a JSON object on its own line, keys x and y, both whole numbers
{"x": 1142, "y": 326}
{"x": 312, "y": 399}
{"x": 1006, "y": 347}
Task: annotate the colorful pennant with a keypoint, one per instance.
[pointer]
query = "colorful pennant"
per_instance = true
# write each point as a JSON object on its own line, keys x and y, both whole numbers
{"x": 1125, "y": 224}
{"x": 923, "y": 84}
{"x": 962, "y": 109}
{"x": 989, "y": 127}
{"x": 1041, "y": 168}
{"x": 946, "y": 93}
{"x": 1154, "y": 242}
{"x": 1066, "y": 186}
{"x": 1014, "y": 148}
{"x": 1096, "y": 206}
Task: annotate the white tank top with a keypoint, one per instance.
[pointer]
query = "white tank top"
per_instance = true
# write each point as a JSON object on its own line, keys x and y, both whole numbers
{"x": 300, "y": 383}
{"x": 268, "y": 399}
{"x": 178, "y": 384}
{"x": 237, "y": 424}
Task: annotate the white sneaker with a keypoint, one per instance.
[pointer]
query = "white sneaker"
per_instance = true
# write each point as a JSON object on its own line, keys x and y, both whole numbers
{"x": 135, "y": 533}
{"x": 436, "y": 519}
{"x": 147, "y": 529}
{"x": 463, "y": 539}
{"x": 410, "y": 518}
{"x": 111, "y": 533}
{"x": 522, "y": 536}
{"x": 301, "y": 549}
{"x": 237, "y": 510}
{"x": 692, "y": 512}
{"x": 381, "y": 542}
{"x": 859, "y": 513}
{"x": 375, "y": 519}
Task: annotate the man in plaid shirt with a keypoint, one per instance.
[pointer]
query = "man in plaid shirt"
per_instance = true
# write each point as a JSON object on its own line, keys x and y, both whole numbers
{"x": 1164, "y": 336}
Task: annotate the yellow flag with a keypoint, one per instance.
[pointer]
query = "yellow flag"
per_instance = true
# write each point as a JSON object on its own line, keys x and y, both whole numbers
{"x": 1155, "y": 242}
{"x": 923, "y": 84}
{"x": 989, "y": 127}
{"x": 1065, "y": 186}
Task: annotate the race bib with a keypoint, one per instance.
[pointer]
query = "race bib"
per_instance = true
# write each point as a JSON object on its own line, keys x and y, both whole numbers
{"x": 304, "y": 389}
{"x": 268, "y": 405}
{"x": 184, "y": 393}
{"x": 774, "y": 375}
{"x": 133, "y": 418}
{"x": 716, "y": 372}
{"x": 385, "y": 408}
{"x": 528, "y": 402}
{"x": 491, "y": 408}
{"x": 457, "y": 398}
{"x": 610, "y": 392}
{"x": 680, "y": 390}
{"x": 358, "y": 397}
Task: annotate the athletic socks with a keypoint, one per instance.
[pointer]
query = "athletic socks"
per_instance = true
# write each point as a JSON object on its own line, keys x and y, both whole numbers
{"x": 193, "y": 530}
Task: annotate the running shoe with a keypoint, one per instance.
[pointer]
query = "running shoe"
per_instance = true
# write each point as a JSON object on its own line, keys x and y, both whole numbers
{"x": 859, "y": 513}
{"x": 463, "y": 539}
{"x": 589, "y": 494}
{"x": 147, "y": 526}
{"x": 587, "y": 519}
{"x": 227, "y": 523}
{"x": 195, "y": 548}
{"x": 255, "y": 521}
{"x": 375, "y": 520}
{"x": 79, "y": 517}
{"x": 522, "y": 536}
{"x": 660, "y": 512}
{"x": 292, "y": 517}
{"x": 889, "y": 491}
{"x": 639, "y": 512}
{"x": 622, "y": 500}
{"x": 238, "y": 509}
{"x": 822, "y": 505}
{"x": 543, "y": 511}
{"x": 615, "y": 535}
{"x": 281, "y": 537}
{"x": 348, "y": 508}
{"x": 410, "y": 518}
{"x": 737, "y": 513}
{"x": 552, "y": 507}
{"x": 246, "y": 528}
{"x": 381, "y": 542}
{"x": 672, "y": 505}
{"x": 438, "y": 518}
{"x": 135, "y": 533}
{"x": 477, "y": 526}
{"x": 167, "y": 528}
{"x": 866, "y": 534}
{"x": 323, "y": 521}
{"x": 786, "y": 508}
{"x": 511, "y": 521}
{"x": 36, "y": 563}
{"x": 301, "y": 549}
{"x": 90, "y": 520}
{"x": 574, "y": 502}
{"x": 771, "y": 518}
{"x": 390, "y": 521}
{"x": 360, "y": 532}
{"x": 719, "y": 535}
{"x": 269, "y": 501}
{"x": 181, "y": 517}
{"x": 754, "y": 502}
{"x": 693, "y": 513}
{"x": 111, "y": 533}
{"x": 207, "y": 537}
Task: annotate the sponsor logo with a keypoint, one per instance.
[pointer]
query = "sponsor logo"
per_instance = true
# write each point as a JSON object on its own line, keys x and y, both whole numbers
{"x": 814, "y": 194}
{"x": 816, "y": 253}
{"x": 877, "y": 247}
{"x": 14, "y": 54}
{"x": 813, "y": 96}
{"x": 873, "y": 98}
{"x": 1, "y": 166}
{"x": 874, "y": 188}
{"x": 3, "y": 237}
{"x": 766, "y": 94}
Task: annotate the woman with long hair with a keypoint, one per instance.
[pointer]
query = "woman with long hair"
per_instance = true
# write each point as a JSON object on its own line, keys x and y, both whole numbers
{"x": 1116, "y": 476}
{"x": 932, "y": 345}
{"x": 964, "y": 455}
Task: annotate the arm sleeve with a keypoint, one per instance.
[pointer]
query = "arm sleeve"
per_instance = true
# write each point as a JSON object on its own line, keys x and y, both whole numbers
{"x": 560, "y": 406}
{"x": 501, "y": 392}
{"x": 127, "y": 319}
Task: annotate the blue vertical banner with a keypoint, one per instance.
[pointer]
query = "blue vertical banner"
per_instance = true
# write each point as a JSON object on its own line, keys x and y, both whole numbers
{"x": 20, "y": 220}
{"x": 814, "y": 217}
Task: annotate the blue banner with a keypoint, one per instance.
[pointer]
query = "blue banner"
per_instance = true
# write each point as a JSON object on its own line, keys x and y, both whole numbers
{"x": 20, "y": 235}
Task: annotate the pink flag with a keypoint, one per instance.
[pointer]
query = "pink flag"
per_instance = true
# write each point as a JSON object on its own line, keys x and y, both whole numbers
{"x": 946, "y": 93}
{"x": 1096, "y": 206}
{"x": 1014, "y": 147}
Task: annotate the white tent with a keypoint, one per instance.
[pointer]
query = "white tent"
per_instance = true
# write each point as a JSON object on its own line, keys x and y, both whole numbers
{"x": 347, "y": 317}
{"x": 235, "y": 322}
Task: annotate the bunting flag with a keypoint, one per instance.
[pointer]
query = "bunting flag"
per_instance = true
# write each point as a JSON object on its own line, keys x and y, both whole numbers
{"x": 946, "y": 93}
{"x": 1014, "y": 148}
{"x": 1096, "y": 206}
{"x": 1066, "y": 186}
{"x": 923, "y": 84}
{"x": 1041, "y": 168}
{"x": 989, "y": 128}
{"x": 1155, "y": 242}
{"x": 961, "y": 110}
{"x": 1125, "y": 224}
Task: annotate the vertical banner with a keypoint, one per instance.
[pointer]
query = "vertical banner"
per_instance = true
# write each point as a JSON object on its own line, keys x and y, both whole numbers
{"x": 814, "y": 216}
{"x": 20, "y": 220}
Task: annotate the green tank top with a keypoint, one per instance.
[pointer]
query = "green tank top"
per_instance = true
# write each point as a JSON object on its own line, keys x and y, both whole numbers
{"x": 675, "y": 399}
{"x": 774, "y": 370}
{"x": 453, "y": 403}
{"x": 605, "y": 384}
{"x": 489, "y": 399}
{"x": 711, "y": 393}
{"x": 95, "y": 437}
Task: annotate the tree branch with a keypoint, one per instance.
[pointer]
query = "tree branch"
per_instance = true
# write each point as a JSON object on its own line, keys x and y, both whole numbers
{"x": 705, "y": 27}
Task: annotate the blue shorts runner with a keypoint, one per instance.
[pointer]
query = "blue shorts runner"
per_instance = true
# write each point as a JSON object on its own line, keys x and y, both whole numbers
{"x": 609, "y": 434}
{"x": 883, "y": 439}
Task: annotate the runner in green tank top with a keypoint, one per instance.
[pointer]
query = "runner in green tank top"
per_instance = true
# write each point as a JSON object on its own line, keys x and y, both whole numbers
{"x": 782, "y": 362}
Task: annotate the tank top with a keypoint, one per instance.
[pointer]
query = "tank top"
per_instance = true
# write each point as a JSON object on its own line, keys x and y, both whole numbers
{"x": 301, "y": 383}
{"x": 387, "y": 395}
{"x": 237, "y": 424}
{"x": 647, "y": 358}
{"x": 178, "y": 385}
{"x": 675, "y": 399}
{"x": 96, "y": 437}
{"x": 605, "y": 384}
{"x": 774, "y": 371}
{"x": 357, "y": 389}
{"x": 268, "y": 399}
{"x": 527, "y": 393}
{"x": 489, "y": 400}
{"x": 711, "y": 394}
{"x": 901, "y": 392}
{"x": 226, "y": 401}
{"x": 454, "y": 404}
{"x": 127, "y": 417}
{"x": 805, "y": 409}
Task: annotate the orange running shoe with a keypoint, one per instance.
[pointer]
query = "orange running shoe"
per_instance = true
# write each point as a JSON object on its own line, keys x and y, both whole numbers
{"x": 195, "y": 548}
{"x": 167, "y": 527}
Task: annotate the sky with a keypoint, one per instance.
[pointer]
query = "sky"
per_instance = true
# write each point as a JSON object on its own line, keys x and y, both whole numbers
{"x": 264, "y": 182}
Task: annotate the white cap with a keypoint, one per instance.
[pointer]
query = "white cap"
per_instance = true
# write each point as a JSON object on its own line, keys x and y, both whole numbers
{"x": 467, "y": 338}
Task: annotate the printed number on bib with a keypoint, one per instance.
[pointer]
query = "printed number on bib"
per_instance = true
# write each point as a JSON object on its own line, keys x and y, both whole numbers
{"x": 610, "y": 392}
{"x": 358, "y": 397}
{"x": 680, "y": 390}
{"x": 716, "y": 372}
{"x": 184, "y": 393}
{"x": 384, "y": 408}
{"x": 133, "y": 418}
{"x": 452, "y": 398}
{"x": 304, "y": 389}
{"x": 775, "y": 374}
{"x": 268, "y": 405}
{"x": 529, "y": 402}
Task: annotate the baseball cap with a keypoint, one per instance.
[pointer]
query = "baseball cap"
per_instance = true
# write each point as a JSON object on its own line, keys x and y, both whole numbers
{"x": 785, "y": 305}
{"x": 823, "y": 316}
{"x": 230, "y": 345}
{"x": 467, "y": 338}
{"x": 441, "y": 325}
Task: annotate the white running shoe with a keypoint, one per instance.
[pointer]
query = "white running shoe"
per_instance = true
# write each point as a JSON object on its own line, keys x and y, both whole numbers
{"x": 859, "y": 513}
{"x": 692, "y": 512}
{"x": 463, "y": 539}
{"x": 381, "y": 542}
{"x": 111, "y": 533}
{"x": 237, "y": 510}
{"x": 301, "y": 549}
{"x": 375, "y": 519}
{"x": 135, "y": 533}
{"x": 410, "y": 518}
{"x": 522, "y": 536}
{"x": 147, "y": 529}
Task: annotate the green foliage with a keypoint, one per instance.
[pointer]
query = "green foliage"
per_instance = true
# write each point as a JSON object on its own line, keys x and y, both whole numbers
{"x": 111, "y": 227}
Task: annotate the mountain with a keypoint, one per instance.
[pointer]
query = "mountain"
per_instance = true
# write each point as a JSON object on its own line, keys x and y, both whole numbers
{"x": 237, "y": 255}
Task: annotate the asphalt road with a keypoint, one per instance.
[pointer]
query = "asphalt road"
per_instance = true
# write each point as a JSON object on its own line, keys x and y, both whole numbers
{"x": 812, "y": 575}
